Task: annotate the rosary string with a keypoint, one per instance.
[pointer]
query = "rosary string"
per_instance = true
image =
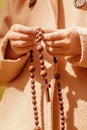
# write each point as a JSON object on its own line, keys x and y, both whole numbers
{"x": 61, "y": 104}
{"x": 43, "y": 73}
{"x": 42, "y": 65}
{"x": 33, "y": 91}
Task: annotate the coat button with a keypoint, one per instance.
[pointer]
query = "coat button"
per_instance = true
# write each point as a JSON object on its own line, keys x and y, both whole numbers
{"x": 32, "y": 3}
{"x": 79, "y": 3}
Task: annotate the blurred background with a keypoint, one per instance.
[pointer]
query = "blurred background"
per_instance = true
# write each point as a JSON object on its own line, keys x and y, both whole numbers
{"x": 2, "y": 87}
{"x": 1, "y": 1}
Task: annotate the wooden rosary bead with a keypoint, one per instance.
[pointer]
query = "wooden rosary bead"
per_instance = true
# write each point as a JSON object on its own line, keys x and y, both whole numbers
{"x": 33, "y": 96}
{"x": 40, "y": 56}
{"x": 33, "y": 86}
{"x": 42, "y": 62}
{"x": 39, "y": 33}
{"x": 39, "y": 48}
{"x": 36, "y": 117}
{"x": 57, "y": 76}
{"x": 31, "y": 68}
{"x": 37, "y": 128}
{"x": 32, "y": 81}
{"x": 34, "y": 102}
{"x": 62, "y": 118}
{"x": 32, "y": 3}
{"x": 42, "y": 67}
{"x": 61, "y": 112}
{"x": 60, "y": 103}
{"x": 61, "y": 108}
{"x": 36, "y": 122}
{"x": 32, "y": 75}
{"x": 39, "y": 39}
{"x": 43, "y": 73}
{"x": 31, "y": 55}
{"x": 54, "y": 60}
{"x": 36, "y": 112}
{"x": 35, "y": 108}
{"x": 33, "y": 91}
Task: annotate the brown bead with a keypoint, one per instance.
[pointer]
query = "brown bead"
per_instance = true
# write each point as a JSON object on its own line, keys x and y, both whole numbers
{"x": 42, "y": 62}
{"x": 32, "y": 81}
{"x": 35, "y": 108}
{"x": 42, "y": 67}
{"x": 33, "y": 97}
{"x": 32, "y": 3}
{"x": 31, "y": 68}
{"x": 35, "y": 112}
{"x": 61, "y": 103}
{"x": 62, "y": 119}
{"x": 32, "y": 75}
{"x": 62, "y": 127}
{"x": 62, "y": 113}
{"x": 39, "y": 48}
{"x": 36, "y": 117}
{"x": 61, "y": 107}
{"x": 36, "y": 122}
{"x": 40, "y": 56}
{"x": 60, "y": 98}
{"x": 38, "y": 33}
{"x": 57, "y": 76}
{"x": 43, "y": 73}
{"x": 60, "y": 93}
{"x": 32, "y": 86}
{"x": 37, "y": 128}
{"x": 49, "y": 85}
{"x": 54, "y": 60}
{"x": 34, "y": 102}
{"x": 39, "y": 39}
{"x": 33, "y": 91}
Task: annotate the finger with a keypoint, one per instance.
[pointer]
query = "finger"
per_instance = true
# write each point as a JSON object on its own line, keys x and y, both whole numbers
{"x": 24, "y": 29}
{"x": 57, "y": 51}
{"x": 49, "y": 30}
{"x": 21, "y": 51}
{"x": 55, "y": 44}
{"x": 58, "y": 35}
{"x": 22, "y": 43}
{"x": 20, "y": 36}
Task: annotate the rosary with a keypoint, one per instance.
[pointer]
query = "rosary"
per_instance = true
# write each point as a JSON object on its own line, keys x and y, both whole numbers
{"x": 43, "y": 74}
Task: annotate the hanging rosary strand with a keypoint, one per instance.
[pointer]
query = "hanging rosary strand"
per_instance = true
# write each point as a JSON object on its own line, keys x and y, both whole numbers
{"x": 33, "y": 91}
{"x": 42, "y": 65}
{"x": 43, "y": 73}
{"x": 61, "y": 104}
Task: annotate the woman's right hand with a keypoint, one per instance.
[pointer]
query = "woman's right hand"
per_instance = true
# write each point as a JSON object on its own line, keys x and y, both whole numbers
{"x": 21, "y": 39}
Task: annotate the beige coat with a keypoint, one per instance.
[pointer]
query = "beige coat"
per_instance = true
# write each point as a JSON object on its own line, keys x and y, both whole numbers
{"x": 16, "y": 111}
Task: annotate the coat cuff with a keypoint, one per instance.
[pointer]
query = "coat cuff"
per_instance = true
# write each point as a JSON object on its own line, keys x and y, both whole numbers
{"x": 9, "y": 69}
{"x": 81, "y": 60}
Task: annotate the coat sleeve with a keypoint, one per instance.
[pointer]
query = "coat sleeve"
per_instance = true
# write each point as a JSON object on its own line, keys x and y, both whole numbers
{"x": 9, "y": 69}
{"x": 83, "y": 57}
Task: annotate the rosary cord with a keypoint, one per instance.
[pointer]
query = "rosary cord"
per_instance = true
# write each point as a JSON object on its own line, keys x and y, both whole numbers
{"x": 61, "y": 104}
{"x": 43, "y": 72}
{"x": 33, "y": 91}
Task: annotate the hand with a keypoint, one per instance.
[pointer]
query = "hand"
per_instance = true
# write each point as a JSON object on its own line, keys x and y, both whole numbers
{"x": 21, "y": 39}
{"x": 62, "y": 42}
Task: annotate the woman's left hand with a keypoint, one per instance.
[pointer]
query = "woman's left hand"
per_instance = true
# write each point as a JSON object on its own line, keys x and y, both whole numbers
{"x": 62, "y": 42}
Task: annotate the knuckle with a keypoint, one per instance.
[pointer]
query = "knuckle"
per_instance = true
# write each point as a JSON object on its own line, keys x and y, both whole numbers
{"x": 15, "y": 27}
